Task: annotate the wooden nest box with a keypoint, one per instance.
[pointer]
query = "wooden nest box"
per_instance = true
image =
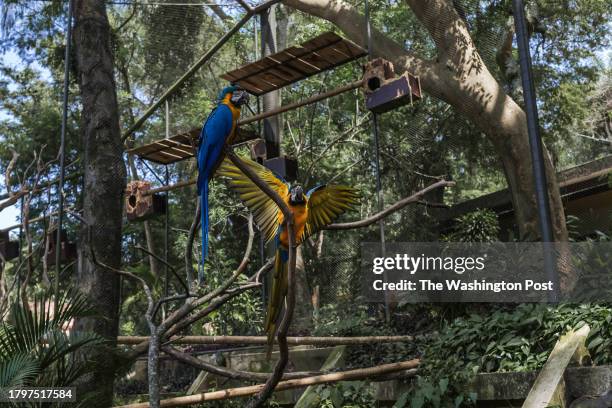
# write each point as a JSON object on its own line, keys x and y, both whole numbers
{"x": 284, "y": 166}
{"x": 140, "y": 206}
{"x": 385, "y": 91}
{"x": 8, "y": 249}
{"x": 68, "y": 250}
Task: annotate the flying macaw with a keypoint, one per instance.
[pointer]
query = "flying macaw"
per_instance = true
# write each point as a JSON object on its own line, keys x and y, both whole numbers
{"x": 311, "y": 212}
{"x": 219, "y": 129}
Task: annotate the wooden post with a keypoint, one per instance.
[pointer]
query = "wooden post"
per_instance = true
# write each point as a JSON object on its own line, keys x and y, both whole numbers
{"x": 262, "y": 340}
{"x": 310, "y": 398}
{"x": 549, "y": 387}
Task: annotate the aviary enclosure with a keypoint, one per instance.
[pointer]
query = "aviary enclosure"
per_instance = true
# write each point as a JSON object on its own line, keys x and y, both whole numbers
{"x": 230, "y": 204}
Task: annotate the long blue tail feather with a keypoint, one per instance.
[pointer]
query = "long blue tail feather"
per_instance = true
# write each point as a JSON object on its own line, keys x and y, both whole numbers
{"x": 204, "y": 225}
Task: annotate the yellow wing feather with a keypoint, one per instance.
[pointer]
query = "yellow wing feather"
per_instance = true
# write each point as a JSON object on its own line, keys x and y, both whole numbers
{"x": 264, "y": 210}
{"x": 326, "y": 204}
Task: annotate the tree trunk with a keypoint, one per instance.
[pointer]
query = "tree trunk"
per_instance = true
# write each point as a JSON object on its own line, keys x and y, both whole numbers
{"x": 459, "y": 77}
{"x": 103, "y": 187}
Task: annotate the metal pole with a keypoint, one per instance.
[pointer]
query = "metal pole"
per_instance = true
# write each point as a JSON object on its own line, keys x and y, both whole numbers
{"x": 271, "y": 100}
{"x": 18, "y": 277}
{"x": 166, "y": 218}
{"x": 193, "y": 69}
{"x": 60, "y": 189}
{"x": 379, "y": 193}
{"x": 166, "y": 240}
{"x": 535, "y": 142}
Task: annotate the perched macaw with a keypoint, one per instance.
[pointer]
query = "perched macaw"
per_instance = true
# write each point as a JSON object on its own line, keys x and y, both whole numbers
{"x": 311, "y": 212}
{"x": 219, "y": 129}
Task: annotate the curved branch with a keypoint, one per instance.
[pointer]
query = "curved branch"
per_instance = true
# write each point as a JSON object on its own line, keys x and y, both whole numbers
{"x": 175, "y": 322}
{"x": 214, "y": 305}
{"x": 229, "y": 372}
{"x": 279, "y": 368}
{"x": 172, "y": 268}
{"x": 415, "y": 198}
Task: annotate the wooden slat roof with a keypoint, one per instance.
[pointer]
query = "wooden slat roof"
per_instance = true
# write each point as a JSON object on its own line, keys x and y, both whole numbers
{"x": 179, "y": 147}
{"x": 171, "y": 150}
{"x": 273, "y": 72}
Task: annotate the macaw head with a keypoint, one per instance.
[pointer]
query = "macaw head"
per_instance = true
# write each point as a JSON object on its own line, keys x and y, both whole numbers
{"x": 238, "y": 96}
{"x": 296, "y": 195}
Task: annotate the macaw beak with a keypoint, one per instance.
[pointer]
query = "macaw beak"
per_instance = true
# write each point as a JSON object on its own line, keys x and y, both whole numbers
{"x": 239, "y": 97}
{"x": 297, "y": 194}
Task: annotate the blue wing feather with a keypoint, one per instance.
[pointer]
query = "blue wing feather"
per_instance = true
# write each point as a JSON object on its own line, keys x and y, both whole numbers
{"x": 312, "y": 190}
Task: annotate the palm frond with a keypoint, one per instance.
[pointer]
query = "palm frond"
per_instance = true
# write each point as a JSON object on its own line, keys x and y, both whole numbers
{"x": 18, "y": 370}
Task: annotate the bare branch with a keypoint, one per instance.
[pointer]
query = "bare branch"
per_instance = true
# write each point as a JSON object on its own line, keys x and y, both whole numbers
{"x": 185, "y": 320}
{"x": 228, "y": 372}
{"x": 279, "y": 368}
{"x": 215, "y": 304}
{"x": 190, "y": 306}
{"x": 415, "y": 198}
{"x": 172, "y": 268}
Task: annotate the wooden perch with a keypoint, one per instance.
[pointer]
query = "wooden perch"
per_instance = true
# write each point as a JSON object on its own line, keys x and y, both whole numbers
{"x": 268, "y": 388}
{"x": 415, "y": 198}
{"x": 357, "y": 374}
{"x": 262, "y": 340}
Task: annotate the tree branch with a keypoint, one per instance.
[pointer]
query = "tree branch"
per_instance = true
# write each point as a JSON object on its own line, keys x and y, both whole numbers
{"x": 352, "y": 23}
{"x": 277, "y": 374}
{"x": 415, "y": 198}
{"x": 228, "y": 372}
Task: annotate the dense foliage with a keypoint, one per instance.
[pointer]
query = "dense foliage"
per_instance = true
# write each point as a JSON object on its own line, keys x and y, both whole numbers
{"x": 38, "y": 346}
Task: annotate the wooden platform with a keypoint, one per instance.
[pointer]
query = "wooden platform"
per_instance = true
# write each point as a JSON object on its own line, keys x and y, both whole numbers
{"x": 179, "y": 147}
{"x": 273, "y": 72}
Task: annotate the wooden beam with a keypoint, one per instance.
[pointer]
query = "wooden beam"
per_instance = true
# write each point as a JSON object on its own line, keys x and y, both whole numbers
{"x": 304, "y": 102}
{"x": 549, "y": 388}
{"x": 357, "y": 374}
{"x": 262, "y": 340}
{"x": 310, "y": 397}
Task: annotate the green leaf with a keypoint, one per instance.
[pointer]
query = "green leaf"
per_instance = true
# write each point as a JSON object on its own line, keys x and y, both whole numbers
{"x": 401, "y": 401}
{"x": 418, "y": 401}
{"x": 443, "y": 385}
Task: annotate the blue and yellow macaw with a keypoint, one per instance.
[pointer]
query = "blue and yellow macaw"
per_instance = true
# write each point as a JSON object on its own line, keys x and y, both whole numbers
{"x": 311, "y": 212}
{"x": 219, "y": 129}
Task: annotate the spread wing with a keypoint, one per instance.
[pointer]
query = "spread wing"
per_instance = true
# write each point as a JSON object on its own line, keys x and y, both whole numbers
{"x": 326, "y": 203}
{"x": 263, "y": 208}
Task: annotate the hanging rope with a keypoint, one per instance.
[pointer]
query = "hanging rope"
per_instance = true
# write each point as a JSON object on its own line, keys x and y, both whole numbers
{"x": 379, "y": 193}
{"x": 62, "y": 158}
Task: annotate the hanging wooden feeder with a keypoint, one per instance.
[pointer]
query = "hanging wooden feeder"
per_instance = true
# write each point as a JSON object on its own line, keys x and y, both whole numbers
{"x": 68, "y": 250}
{"x": 385, "y": 91}
{"x": 8, "y": 249}
{"x": 140, "y": 206}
